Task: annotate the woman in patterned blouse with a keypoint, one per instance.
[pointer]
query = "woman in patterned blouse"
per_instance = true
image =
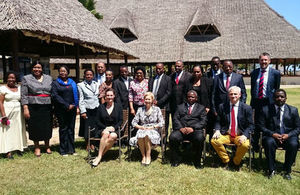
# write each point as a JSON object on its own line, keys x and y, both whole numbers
{"x": 138, "y": 88}
{"x": 107, "y": 84}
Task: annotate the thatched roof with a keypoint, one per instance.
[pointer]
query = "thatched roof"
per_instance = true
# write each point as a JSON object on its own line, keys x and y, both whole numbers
{"x": 65, "y": 21}
{"x": 246, "y": 28}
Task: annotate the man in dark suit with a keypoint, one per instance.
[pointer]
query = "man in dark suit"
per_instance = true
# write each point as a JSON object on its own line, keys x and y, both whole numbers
{"x": 280, "y": 125}
{"x": 100, "y": 76}
{"x": 179, "y": 81}
{"x": 121, "y": 86}
{"x": 234, "y": 124}
{"x": 161, "y": 87}
{"x": 215, "y": 68}
{"x": 189, "y": 122}
{"x": 223, "y": 82}
{"x": 264, "y": 82}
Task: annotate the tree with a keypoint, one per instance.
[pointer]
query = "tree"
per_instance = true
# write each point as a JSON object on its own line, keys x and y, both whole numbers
{"x": 90, "y": 5}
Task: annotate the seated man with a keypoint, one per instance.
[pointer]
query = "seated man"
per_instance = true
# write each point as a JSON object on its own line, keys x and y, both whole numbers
{"x": 280, "y": 125}
{"x": 189, "y": 122}
{"x": 233, "y": 125}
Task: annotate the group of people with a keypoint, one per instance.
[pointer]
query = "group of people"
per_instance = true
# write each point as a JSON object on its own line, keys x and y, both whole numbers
{"x": 214, "y": 101}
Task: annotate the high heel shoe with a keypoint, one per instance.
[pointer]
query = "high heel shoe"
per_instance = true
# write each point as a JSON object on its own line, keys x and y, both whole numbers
{"x": 95, "y": 163}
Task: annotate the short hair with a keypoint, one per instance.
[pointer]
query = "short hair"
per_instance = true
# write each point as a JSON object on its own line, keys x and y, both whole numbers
{"x": 227, "y": 61}
{"x": 179, "y": 61}
{"x": 9, "y": 73}
{"x": 88, "y": 69}
{"x": 64, "y": 66}
{"x": 215, "y": 57}
{"x": 100, "y": 62}
{"x": 110, "y": 89}
{"x": 123, "y": 66}
{"x": 199, "y": 67}
{"x": 160, "y": 63}
{"x": 279, "y": 90}
{"x": 265, "y": 54}
{"x": 109, "y": 70}
{"x": 149, "y": 94}
{"x": 35, "y": 62}
{"x": 192, "y": 91}
{"x": 140, "y": 68}
{"x": 235, "y": 88}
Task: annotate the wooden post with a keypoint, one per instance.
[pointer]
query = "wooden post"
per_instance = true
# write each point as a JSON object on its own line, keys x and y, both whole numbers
{"x": 15, "y": 46}
{"x": 107, "y": 58}
{"x": 295, "y": 67}
{"x": 246, "y": 68}
{"x": 277, "y": 64}
{"x": 77, "y": 62}
{"x": 4, "y": 64}
{"x": 126, "y": 60}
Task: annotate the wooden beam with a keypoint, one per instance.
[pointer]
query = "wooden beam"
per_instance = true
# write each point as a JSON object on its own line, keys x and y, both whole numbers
{"x": 126, "y": 60}
{"x": 295, "y": 67}
{"x": 284, "y": 63}
{"x": 15, "y": 46}
{"x": 77, "y": 62}
{"x": 4, "y": 65}
{"x": 107, "y": 58}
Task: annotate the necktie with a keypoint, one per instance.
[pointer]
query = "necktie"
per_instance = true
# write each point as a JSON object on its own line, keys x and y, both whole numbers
{"x": 227, "y": 83}
{"x": 177, "y": 79}
{"x": 232, "y": 132}
{"x": 279, "y": 121}
{"x": 261, "y": 85}
{"x": 190, "y": 110}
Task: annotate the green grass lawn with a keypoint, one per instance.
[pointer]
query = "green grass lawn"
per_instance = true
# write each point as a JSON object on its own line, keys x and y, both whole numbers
{"x": 51, "y": 174}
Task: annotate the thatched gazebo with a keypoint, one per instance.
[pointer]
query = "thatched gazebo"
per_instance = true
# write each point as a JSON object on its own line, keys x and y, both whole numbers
{"x": 55, "y": 28}
{"x": 196, "y": 30}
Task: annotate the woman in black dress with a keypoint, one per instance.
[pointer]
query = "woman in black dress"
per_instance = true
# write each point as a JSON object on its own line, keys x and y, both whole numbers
{"x": 36, "y": 101}
{"x": 65, "y": 96}
{"x": 109, "y": 119}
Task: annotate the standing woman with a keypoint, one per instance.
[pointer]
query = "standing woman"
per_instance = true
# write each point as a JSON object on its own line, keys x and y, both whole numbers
{"x": 202, "y": 85}
{"x": 88, "y": 103}
{"x": 138, "y": 88}
{"x": 36, "y": 101}
{"x": 12, "y": 127}
{"x": 109, "y": 119}
{"x": 107, "y": 84}
{"x": 147, "y": 120}
{"x": 65, "y": 96}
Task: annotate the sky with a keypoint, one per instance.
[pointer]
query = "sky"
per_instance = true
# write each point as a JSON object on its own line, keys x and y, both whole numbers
{"x": 289, "y": 9}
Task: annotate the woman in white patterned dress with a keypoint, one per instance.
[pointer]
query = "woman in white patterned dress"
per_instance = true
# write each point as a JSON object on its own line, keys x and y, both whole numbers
{"x": 147, "y": 120}
{"x": 12, "y": 126}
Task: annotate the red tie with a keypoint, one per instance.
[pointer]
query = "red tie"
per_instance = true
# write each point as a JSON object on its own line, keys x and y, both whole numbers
{"x": 227, "y": 83}
{"x": 232, "y": 133}
{"x": 261, "y": 85}
{"x": 177, "y": 79}
{"x": 190, "y": 110}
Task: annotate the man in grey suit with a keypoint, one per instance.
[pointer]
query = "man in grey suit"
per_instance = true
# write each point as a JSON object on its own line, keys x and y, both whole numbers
{"x": 264, "y": 82}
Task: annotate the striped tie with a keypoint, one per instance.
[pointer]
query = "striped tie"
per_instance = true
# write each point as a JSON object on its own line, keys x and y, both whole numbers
{"x": 261, "y": 85}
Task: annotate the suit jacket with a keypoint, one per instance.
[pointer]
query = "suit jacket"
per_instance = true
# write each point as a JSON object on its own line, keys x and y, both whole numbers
{"x": 244, "y": 118}
{"x": 163, "y": 92}
{"x": 196, "y": 120}
{"x": 219, "y": 93}
{"x": 203, "y": 91}
{"x": 178, "y": 95}
{"x": 121, "y": 92}
{"x": 269, "y": 124}
{"x": 272, "y": 85}
{"x": 209, "y": 73}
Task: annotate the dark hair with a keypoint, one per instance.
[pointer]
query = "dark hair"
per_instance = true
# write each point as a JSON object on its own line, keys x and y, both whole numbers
{"x": 124, "y": 66}
{"x": 265, "y": 54}
{"x": 279, "y": 90}
{"x": 215, "y": 57}
{"x": 11, "y": 72}
{"x": 140, "y": 68}
{"x": 86, "y": 70}
{"x": 109, "y": 70}
{"x": 110, "y": 89}
{"x": 64, "y": 66}
{"x": 35, "y": 63}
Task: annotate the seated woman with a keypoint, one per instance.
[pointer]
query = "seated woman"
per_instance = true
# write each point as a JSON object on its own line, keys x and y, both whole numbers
{"x": 109, "y": 119}
{"x": 147, "y": 120}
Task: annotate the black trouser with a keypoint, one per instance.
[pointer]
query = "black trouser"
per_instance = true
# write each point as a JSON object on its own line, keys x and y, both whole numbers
{"x": 66, "y": 120}
{"x": 290, "y": 146}
{"x": 176, "y": 138}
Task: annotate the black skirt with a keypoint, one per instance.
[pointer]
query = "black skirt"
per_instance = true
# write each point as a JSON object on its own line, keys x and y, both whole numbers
{"x": 91, "y": 122}
{"x": 40, "y": 122}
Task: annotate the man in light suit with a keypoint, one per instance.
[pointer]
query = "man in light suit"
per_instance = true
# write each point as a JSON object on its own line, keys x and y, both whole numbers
{"x": 121, "y": 86}
{"x": 234, "y": 125}
{"x": 100, "y": 76}
{"x": 189, "y": 122}
{"x": 223, "y": 82}
{"x": 161, "y": 87}
{"x": 280, "y": 125}
{"x": 264, "y": 81}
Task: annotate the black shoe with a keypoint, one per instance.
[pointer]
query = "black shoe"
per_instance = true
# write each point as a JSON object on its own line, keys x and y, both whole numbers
{"x": 287, "y": 176}
{"x": 271, "y": 174}
{"x": 225, "y": 166}
{"x": 198, "y": 165}
{"x": 175, "y": 164}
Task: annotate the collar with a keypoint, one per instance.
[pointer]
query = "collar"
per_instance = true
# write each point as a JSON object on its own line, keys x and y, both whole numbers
{"x": 266, "y": 70}
{"x": 235, "y": 105}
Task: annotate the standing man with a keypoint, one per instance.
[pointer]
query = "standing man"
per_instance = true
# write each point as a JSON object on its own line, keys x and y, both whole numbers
{"x": 179, "y": 81}
{"x": 161, "y": 87}
{"x": 189, "y": 122}
{"x": 223, "y": 82}
{"x": 100, "y": 74}
{"x": 264, "y": 82}
{"x": 215, "y": 68}
{"x": 234, "y": 125}
{"x": 280, "y": 125}
{"x": 121, "y": 86}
